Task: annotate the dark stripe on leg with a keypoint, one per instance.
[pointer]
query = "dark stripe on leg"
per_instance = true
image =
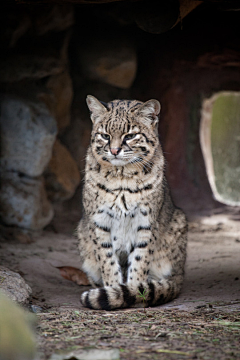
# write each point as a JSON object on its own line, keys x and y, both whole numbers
{"x": 161, "y": 300}
{"x": 127, "y": 297}
{"x": 151, "y": 294}
{"x": 171, "y": 292}
{"x": 103, "y": 299}
{"x": 87, "y": 302}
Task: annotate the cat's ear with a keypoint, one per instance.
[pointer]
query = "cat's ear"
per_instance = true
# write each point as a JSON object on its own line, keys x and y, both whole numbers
{"x": 96, "y": 107}
{"x": 150, "y": 111}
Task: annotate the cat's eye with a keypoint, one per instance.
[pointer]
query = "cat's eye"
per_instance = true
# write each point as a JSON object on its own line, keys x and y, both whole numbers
{"x": 129, "y": 136}
{"x": 105, "y": 136}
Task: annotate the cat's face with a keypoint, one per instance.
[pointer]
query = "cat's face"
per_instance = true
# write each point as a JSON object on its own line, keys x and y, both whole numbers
{"x": 124, "y": 132}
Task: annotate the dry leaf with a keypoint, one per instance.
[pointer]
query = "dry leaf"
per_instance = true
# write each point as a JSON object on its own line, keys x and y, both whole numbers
{"x": 73, "y": 274}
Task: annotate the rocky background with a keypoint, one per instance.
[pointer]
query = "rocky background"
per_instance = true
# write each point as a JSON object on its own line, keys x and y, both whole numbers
{"x": 53, "y": 55}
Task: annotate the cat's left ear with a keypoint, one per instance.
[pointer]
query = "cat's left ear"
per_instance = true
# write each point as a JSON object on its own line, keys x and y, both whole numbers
{"x": 96, "y": 107}
{"x": 150, "y": 111}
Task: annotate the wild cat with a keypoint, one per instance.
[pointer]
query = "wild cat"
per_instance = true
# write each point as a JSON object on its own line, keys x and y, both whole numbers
{"x": 132, "y": 239}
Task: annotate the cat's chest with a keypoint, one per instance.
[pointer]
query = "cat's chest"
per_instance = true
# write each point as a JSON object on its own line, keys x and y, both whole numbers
{"x": 122, "y": 196}
{"x": 123, "y": 226}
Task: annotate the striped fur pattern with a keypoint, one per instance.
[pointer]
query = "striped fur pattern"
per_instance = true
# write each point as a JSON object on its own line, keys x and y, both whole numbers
{"x": 132, "y": 239}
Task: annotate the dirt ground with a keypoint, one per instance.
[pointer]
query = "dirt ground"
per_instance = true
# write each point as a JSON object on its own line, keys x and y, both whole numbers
{"x": 202, "y": 323}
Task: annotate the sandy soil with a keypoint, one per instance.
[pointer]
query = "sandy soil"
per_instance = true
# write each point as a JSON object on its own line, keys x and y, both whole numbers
{"x": 212, "y": 284}
{"x": 212, "y": 268}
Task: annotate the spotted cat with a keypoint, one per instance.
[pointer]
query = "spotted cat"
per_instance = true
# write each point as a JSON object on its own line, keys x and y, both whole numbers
{"x": 132, "y": 239}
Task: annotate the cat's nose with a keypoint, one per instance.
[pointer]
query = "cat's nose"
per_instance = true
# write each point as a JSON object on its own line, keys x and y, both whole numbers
{"x": 115, "y": 151}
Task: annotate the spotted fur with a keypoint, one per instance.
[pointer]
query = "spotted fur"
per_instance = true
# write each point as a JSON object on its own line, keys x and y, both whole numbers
{"x": 131, "y": 237}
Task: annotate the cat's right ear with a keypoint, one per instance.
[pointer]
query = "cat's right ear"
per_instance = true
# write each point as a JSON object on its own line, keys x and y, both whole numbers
{"x": 96, "y": 108}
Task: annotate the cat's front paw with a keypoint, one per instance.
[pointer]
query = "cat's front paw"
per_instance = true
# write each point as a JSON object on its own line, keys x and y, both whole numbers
{"x": 92, "y": 298}
{"x": 84, "y": 299}
{"x": 105, "y": 298}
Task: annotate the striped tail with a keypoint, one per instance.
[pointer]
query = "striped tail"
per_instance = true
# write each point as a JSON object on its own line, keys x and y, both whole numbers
{"x": 150, "y": 293}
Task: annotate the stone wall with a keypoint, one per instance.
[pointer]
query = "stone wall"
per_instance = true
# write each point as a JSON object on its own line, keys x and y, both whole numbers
{"x": 53, "y": 56}
{"x": 36, "y": 98}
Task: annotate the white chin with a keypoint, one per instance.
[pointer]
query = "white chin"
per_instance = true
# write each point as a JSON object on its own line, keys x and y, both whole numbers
{"x": 118, "y": 162}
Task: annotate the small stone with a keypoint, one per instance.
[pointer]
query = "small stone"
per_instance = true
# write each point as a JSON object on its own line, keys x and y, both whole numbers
{"x": 62, "y": 175}
{"x": 161, "y": 335}
{"x": 23, "y": 237}
{"x": 24, "y": 201}
{"x": 10, "y": 233}
{"x": 28, "y": 133}
{"x": 14, "y": 286}
{"x": 36, "y": 309}
{"x": 89, "y": 354}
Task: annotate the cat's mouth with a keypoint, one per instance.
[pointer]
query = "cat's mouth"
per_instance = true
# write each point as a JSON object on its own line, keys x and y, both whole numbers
{"x": 118, "y": 162}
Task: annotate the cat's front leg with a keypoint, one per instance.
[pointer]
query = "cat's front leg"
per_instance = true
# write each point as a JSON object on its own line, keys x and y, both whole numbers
{"x": 106, "y": 258}
{"x": 139, "y": 259}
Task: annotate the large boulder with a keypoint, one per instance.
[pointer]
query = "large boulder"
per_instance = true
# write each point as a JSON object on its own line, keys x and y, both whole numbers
{"x": 110, "y": 61}
{"x": 34, "y": 21}
{"x": 62, "y": 175}
{"x": 53, "y": 17}
{"x": 77, "y": 138}
{"x": 24, "y": 201}
{"x": 28, "y": 133}
{"x": 36, "y": 59}
{"x": 58, "y": 98}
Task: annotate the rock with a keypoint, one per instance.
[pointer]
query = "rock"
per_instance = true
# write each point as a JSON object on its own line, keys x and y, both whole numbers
{"x": 156, "y": 17}
{"x": 9, "y": 233}
{"x": 35, "y": 59}
{"x": 23, "y": 25}
{"x": 36, "y": 309}
{"x": 28, "y": 132}
{"x": 24, "y": 201}
{"x": 62, "y": 175}
{"x": 111, "y": 61}
{"x": 23, "y": 238}
{"x": 17, "y": 339}
{"x": 219, "y": 138}
{"x": 53, "y": 17}
{"x": 14, "y": 286}
{"x": 15, "y": 22}
{"x": 77, "y": 138}
{"x": 34, "y": 21}
{"x": 59, "y": 98}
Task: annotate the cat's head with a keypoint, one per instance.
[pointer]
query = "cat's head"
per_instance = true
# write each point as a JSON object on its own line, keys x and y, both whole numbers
{"x": 124, "y": 131}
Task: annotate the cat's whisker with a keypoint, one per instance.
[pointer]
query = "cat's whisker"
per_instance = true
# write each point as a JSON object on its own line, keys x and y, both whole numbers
{"x": 143, "y": 161}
